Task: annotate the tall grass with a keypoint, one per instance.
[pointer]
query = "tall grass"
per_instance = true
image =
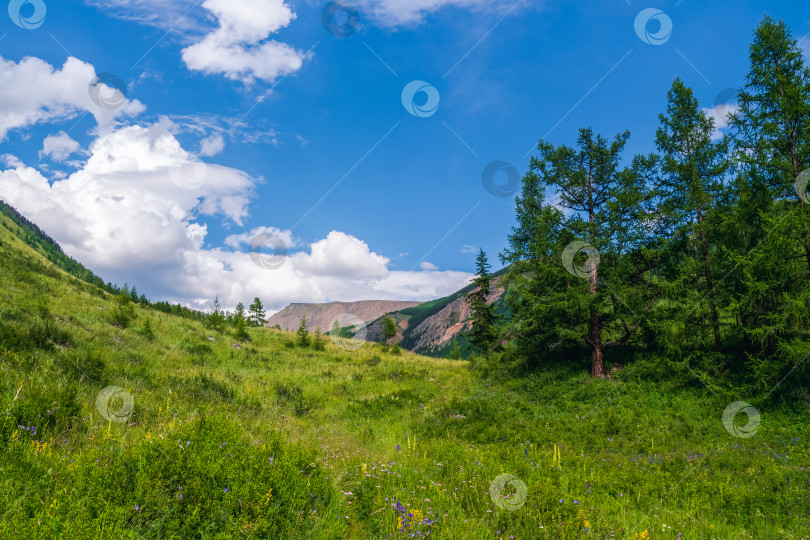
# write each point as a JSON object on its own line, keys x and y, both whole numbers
{"x": 270, "y": 440}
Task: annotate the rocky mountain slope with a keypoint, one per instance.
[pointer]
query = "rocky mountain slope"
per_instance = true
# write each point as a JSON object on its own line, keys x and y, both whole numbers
{"x": 430, "y": 328}
{"x": 323, "y": 315}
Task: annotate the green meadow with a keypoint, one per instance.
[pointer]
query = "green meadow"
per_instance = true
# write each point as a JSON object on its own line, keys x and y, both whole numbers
{"x": 208, "y": 437}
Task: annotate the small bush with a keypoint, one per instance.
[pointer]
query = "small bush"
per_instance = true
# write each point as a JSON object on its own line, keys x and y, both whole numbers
{"x": 293, "y": 396}
{"x": 124, "y": 311}
{"x": 373, "y": 361}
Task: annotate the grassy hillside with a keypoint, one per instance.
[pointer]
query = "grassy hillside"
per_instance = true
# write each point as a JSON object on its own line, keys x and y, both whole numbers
{"x": 268, "y": 440}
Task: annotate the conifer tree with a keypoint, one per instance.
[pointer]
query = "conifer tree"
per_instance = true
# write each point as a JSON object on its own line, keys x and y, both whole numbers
{"x": 257, "y": 314}
{"x": 302, "y": 337}
{"x": 692, "y": 169}
{"x": 484, "y": 333}
{"x": 389, "y": 327}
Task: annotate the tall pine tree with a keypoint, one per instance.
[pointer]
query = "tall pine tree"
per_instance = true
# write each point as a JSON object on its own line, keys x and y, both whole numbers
{"x": 484, "y": 333}
{"x": 692, "y": 169}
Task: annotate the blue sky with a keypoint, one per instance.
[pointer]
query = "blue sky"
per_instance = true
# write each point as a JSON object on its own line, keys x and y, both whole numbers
{"x": 283, "y": 112}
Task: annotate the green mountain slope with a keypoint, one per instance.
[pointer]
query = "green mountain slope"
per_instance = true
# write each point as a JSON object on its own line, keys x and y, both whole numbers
{"x": 205, "y": 437}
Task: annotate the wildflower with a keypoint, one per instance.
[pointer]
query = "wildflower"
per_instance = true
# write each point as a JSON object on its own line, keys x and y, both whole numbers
{"x": 137, "y": 507}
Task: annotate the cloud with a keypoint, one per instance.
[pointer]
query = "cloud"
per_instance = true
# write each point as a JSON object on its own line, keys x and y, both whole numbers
{"x": 468, "y": 249}
{"x": 428, "y": 266}
{"x": 411, "y": 12}
{"x": 212, "y": 145}
{"x": 236, "y": 241}
{"x": 32, "y": 91}
{"x": 125, "y": 215}
{"x": 11, "y": 160}
{"x": 178, "y": 15}
{"x": 58, "y": 147}
{"x": 239, "y": 48}
{"x": 720, "y": 114}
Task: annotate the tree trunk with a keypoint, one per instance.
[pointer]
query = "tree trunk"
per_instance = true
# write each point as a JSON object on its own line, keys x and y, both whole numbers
{"x": 598, "y": 363}
{"x": 595, "y": 338}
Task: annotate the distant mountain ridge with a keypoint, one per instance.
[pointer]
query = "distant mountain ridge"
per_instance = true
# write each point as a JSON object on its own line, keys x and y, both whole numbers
{"x": 322, "y": 315}
{"x": 428, "y": 328}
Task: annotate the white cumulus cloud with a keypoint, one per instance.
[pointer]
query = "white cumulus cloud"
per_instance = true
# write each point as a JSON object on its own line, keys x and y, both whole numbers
{"x": 59, "y": 147}
{"x": 720, "y": 114}
{"x": 32, "y": 91}
{"x": 212, "y": 145}
{"x": 124, "y": 215}
{"x": 239, "y": 48}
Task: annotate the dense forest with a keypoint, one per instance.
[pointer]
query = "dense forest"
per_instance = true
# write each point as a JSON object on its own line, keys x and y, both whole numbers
{"x": 693, "y": 260}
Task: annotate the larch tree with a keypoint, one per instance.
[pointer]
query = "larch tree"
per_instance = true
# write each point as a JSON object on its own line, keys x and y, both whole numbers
{"x": 692, "y": 169}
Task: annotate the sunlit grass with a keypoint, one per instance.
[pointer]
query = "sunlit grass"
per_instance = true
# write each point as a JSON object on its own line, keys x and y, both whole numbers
{"x": 272, "y": 441}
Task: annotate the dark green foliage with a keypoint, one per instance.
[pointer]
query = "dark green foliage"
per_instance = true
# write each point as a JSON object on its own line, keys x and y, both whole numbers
{"x": 704, "y": 247}
{"x": 455, "y": 351}
{"x": 484, "y": 334}
{"x": 257, "y": 315}
{"x": 564, "y": 305}
{"x": 124, "y": 311}
{"x": 302, "y": 337}
{"x": 688, "y": 188}
{"x": 293, "y": 396}
{"x": 146, "y": 330}
{"x": 383, "y": 405}
{"x": 373, "y": 361}
{"x": 216, "y": 319}
{"x": 240, "y": 324}
{"x": 389, "y": 327}
{"x": 208, "y": 389}
{"x": 318, "y": 343}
